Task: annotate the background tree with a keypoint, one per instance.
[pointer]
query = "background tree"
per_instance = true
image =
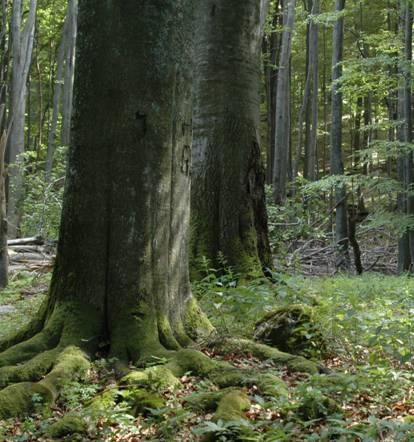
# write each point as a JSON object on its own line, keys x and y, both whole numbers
{"x": 282, "y": 138}
{"x": 405, "y": 162}
{"x": 22, "y": 47}
{"x": 337, "y": 168}
{"x": 228, "y": 200}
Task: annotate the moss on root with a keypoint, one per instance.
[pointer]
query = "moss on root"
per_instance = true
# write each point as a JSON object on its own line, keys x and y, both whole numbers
{"x": 32, "y": 370}
{"x": 196, "y": 323}
{"x": 16, "y": 400}
{"x": 264, "y": 352}
{"x": 206, "y": 401}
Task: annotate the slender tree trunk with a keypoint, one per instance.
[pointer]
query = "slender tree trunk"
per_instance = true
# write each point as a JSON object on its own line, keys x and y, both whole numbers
{"x": 4, "y": 257}
{"x": 4, "y": 65}
{"x": 69, "y": 71}
{"x": 405, "y": 162}
{"x": 337, "y": 168}
{"x": 22, "y": 56}
{"x": 274, "y": 43}
{"x": 282, "y": 121}
{"x": 228, "y": 200}
{"x": 303, "y": 115}
{"x": 311, "y": 142}
{"x": 57, "y": 97}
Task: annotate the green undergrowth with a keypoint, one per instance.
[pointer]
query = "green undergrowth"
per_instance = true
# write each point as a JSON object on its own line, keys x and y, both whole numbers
{"x": 21, "y": 300}
{"x": 367, "y": 328}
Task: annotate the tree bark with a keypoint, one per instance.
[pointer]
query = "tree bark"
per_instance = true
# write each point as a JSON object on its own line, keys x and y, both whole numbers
{"x": 337, "y": 168}
{"x": 228, "y": 200}
{"x": 22, "y": 48}
{"x": 282, "y": 101}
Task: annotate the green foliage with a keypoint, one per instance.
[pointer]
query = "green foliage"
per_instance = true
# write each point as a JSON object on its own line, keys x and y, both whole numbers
{"x": 19, "y": 296}
{"x": 42, "y": 204}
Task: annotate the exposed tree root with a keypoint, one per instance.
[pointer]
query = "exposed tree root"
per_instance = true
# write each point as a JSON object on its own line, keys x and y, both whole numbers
{"x": 17, "y": 399}
{"x": 247, "y": 347}
{"x": 60, "y": 352}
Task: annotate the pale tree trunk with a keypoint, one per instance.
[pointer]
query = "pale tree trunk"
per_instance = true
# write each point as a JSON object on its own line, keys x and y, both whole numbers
{"x": 69, "y": 71}
{"x": 303, "y": 112}
{"x": 56, "y": 98}
{"x": 228, "y": 201}
{"x": 4, "y": 65}
{"x": 337, "y": 167}
{"x": 22, "y": 47}
{"x": 282, "y": 107}
{"x": 273, "y": 48}
{"x": 405, "y": 162}
{"x": 4, "y": 257}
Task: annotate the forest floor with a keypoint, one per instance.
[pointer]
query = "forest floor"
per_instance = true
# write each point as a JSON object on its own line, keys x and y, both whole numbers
{"x": 368, "y": 333}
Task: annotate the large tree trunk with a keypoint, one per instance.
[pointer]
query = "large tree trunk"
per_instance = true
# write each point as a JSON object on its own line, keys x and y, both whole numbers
{"x": 404, "y": 133}
{"x": 282, "y": 107}
{"x": 228, "y": 200}
{"x": 121, "y": 283}
{"x": 22, "y": 55}
{"x": 121, "y": 274}
{"x": 337, "y": 167}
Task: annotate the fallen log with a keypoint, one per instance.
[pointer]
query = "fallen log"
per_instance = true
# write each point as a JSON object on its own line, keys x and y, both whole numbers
{"x": 34, "y": 240}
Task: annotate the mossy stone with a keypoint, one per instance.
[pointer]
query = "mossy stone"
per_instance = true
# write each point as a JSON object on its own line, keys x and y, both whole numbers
{"x": 291, "y": 329}
{"x": 143, "y": 400}
{"x": 317, "y": 407}
{"x": 17, "y": 399}
{"x": 66, "y": 426}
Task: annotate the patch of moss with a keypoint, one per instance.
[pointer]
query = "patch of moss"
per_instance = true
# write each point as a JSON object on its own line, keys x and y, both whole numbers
{"x": 17, "y": 399}
{"x": 195, "y": 361}
{"x": 142, "y": 401}
{"x": 267, "y": 383}
{"x": 66, "y": 426}
{"x": 264, "y": 352}
{"x": 232, "y": 406}
{"x": 196, "y": 323}
{"x": 317, "y": 407}
{"x": 206, "y": 401}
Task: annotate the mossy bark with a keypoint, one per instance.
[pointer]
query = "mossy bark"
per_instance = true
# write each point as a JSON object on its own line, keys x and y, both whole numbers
{"x": 228, "y": 201}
